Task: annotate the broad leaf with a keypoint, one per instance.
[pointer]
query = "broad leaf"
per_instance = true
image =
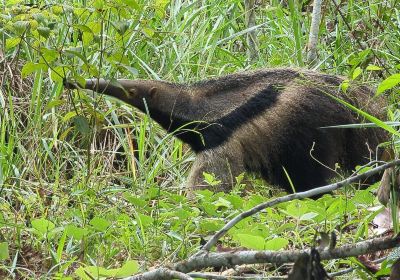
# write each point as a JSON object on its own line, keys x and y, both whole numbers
{"x": 388, "y": 83}
{"x": 251, "y": 241}
{"x": 276, "y": 244}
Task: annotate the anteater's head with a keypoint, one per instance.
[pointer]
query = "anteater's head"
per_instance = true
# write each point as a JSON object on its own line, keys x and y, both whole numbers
{"x": 134, "y": 92}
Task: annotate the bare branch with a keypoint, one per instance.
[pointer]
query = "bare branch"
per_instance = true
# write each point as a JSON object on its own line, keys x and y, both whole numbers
{"x": 161, "y": 273}
{"x": 289, "y": 256}
{"x": 314, "y": 30}
{"x": 300, "y": 195}
{"x": 251, "y": 36}
{"x": 223, "y": 277}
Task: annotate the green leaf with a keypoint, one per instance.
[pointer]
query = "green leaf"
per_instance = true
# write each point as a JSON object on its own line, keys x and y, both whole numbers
{"x": 121, "y": 26}
{"x": 21, "y": 26}
{"x": 251, "y": 241}
{"x": 210, "y": 179}
{"x": 98, "y": 4}
{"x": 57, "y": 73}
{"x": 388, "y": 83}
{"x": 31, "y": 67}
{"x": 4, "y": 254}
{"x": 119, "y": 58}
{"x": 210, "y": 225}
{"x": 69, "y": 116}
{"x": 97, "y": 272}
{"x": 356, "y": 73}
{"x": 149, "y": 32}
{"x": 175, "y": 235}
{"x": 76, "y": 52}
{"x": 60, "y": 247}
{"x": 44, "y": 31}
{"x": 344, "y": 85}
{"x": 296, "y": 209}
{"x": 160, "y": 6}
{"x": 129, "y": 268}
{"x": 13, "y": 2}
{"x": 135, "y": 201}
{"x": 222, "y": 203}
{"x": 49, "y": 55}
{"x": 373, "y": 68}
{"x": 75, "y": 232}
{"x": 33, "y": 24}
{"x": 276, "y": 244}
{"x": 90, "y": 272}
{"x": 209, "y": 208}
{"x": 132, "y": 70}
{"x": 91, "y": 68}
{"x": 369, "y": 117}
{"x": 55, "y": 103}
{"x": 308, "y": 216}
{"x": 42, "y": 226}
{"x": 131, "y": 3}
{"x": 82, "y": 28}
{"x": 12, "y": 42}
{"x": 81, "y": 124}
{"x": 235, "y": 200}
{"x": 95, "y": 26}
{"x": 100, "y": 224}
{"x": 87, "y": 38}
{"x": 39, "y": 17}
{"x": 182, "y": 214}
{"x": 144, "y": 220}
{"x": 2, "y": 219}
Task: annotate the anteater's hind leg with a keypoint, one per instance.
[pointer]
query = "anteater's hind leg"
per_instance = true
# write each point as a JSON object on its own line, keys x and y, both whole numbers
{"x": 221, "y": 163}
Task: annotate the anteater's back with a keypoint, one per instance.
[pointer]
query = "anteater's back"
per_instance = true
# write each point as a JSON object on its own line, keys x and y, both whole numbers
{"x": 272, "y": 120}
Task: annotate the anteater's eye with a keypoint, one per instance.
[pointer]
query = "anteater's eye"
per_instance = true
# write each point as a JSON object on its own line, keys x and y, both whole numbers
{"x": 131, "y": 93}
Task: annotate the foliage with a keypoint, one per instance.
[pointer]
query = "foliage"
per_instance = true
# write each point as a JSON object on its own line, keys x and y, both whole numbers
{"x": 90, "y": 186}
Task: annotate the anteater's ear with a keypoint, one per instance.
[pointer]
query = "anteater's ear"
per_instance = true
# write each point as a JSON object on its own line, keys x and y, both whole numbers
{"x": 152, "y": 92}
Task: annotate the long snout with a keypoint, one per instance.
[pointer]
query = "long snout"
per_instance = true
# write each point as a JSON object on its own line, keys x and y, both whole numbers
{"x": 112, "y": 88}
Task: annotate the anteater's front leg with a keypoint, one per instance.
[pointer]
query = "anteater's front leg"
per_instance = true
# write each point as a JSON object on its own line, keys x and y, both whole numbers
{"x": 221, "y": 163}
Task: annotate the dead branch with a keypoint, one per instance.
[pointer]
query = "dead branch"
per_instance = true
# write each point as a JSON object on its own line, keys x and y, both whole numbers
{"x": 161, "y": 273}
{"x": 222, "y": 277}
{"x": 314, "y": 30}
{"x": 251, "y": 36}
{"x": 251, "y": 257}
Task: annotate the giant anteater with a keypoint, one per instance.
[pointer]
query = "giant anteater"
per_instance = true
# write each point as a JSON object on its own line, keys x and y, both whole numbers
{"x": 267, "y": 121}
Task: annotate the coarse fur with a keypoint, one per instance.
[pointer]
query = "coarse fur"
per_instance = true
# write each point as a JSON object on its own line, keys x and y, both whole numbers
{"x": 265, "y": 122}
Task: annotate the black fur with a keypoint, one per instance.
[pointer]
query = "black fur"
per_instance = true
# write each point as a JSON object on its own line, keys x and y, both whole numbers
{"x": 204, "y": 135}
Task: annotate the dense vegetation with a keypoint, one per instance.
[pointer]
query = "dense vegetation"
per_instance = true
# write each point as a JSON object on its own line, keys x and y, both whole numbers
{"x": 90, "y": 183}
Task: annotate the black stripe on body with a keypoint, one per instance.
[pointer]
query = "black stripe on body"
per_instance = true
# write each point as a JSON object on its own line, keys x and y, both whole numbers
{"x": 202, "y": 136}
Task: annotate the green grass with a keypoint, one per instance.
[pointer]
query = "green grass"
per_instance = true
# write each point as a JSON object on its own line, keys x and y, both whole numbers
{"x": 88, "y": 181}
